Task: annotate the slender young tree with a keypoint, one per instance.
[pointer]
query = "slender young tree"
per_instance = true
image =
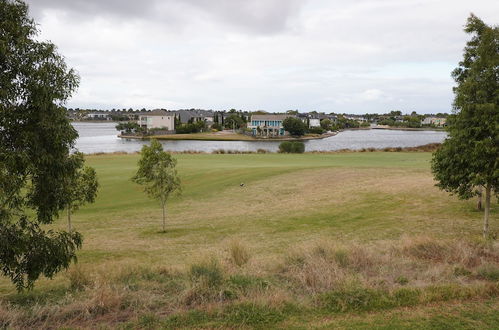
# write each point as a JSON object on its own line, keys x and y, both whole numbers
{"x": 36, "y": 139}
{"x": 157, "y": 173}
{"x": 468, "y": 158}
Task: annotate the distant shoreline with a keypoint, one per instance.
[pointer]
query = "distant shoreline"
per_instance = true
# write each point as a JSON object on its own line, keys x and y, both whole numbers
{"x": 224, "y": 137}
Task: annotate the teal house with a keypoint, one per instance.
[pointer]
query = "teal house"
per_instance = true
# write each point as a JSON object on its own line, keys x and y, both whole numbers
{"x": 267, "y": 125}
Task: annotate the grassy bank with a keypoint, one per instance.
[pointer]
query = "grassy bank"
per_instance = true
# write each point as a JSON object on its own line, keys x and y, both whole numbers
{"x": 345, "y": 240}
{"x": 226, "y": 136}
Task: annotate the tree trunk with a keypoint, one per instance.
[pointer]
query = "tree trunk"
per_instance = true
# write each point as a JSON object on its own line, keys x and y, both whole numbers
{"x": 69, "y": 218}
{"x": 487, "y": 211}
{"x": 164, "y": 215}
{"x": 479, "y": 202}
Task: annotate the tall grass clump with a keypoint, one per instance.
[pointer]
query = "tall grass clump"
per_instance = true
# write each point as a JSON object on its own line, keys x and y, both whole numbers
{"x": 78, "y": 278}
{"x": 239, "y": 254}
{"x": 295, "y": 147}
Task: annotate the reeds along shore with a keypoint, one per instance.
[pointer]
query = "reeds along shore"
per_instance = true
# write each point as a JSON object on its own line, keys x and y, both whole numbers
{"x": 424, "y": 148}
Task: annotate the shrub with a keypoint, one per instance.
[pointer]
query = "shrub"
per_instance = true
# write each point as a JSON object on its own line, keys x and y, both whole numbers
{"x": 239, "y": 253}
{"x": 78, "y": 279}
{"x": 402, "y": 280}
{"x": 489, "y": 272}
{"x": 426, "y": 249}
{"x": 208, "y": 272}
{"x": 297, "y": 147}
{"x": 316, "y": 130}
{"x": 460, "y": 271}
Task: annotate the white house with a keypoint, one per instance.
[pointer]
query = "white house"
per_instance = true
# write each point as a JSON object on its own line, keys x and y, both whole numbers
{"x": 98, "y": 116}
{"x": 314, "y": 122}
{"x": 435, "y": 121}
{"x": 158, "y": 119}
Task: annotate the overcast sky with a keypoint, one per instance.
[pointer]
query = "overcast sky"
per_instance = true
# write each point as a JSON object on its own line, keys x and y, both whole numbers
{"x": 351, "y": 56}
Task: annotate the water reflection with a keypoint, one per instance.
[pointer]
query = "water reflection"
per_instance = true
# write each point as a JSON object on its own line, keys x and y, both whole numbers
{"x": 102, "y": 137}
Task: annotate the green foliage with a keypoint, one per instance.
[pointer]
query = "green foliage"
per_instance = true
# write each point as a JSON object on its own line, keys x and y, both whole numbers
{"x": 157, "y": 173}
{"x": 327, "y": 124}
{"x": 251, "y": 314}
{"x": 189, "y": 128}
{"x": 35, "y": 142}
{"x": 81, "y": 186}
{"x": 234, "y": 121}
{"x": 128, "y": 127}
{"x": 27, "y": 251}
{"x": 217, "y": 126}
{"x": 294, "y": 126}
{"x": 346, "y": 123}
{"x": 489, "y": 272}
{"x": 209, "y": 273}
{"x": 468, "y": 157}
{"x": 316, "y": 130}
{"x": 296, "y": 147}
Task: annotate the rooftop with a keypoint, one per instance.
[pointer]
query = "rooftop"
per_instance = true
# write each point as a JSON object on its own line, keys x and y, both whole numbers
{"x": 270, "y": 117}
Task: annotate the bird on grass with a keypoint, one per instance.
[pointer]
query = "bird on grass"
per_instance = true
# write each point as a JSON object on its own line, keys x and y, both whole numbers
{"x": 241, "y": 185}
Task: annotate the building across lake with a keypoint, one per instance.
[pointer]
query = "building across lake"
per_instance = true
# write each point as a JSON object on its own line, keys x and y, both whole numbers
{"x": 162, "y": 119}
{"x": 268, "y": 125}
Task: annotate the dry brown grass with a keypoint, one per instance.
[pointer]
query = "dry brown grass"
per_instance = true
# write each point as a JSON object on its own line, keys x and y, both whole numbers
{"x": 117, "y": 294}
{"x": 239, "y": 253}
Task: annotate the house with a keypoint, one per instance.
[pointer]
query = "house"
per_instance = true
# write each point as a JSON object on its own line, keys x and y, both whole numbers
{"x": 157, "y": 119}
{"x": 267, "y": 125}
{"x": 98, "y": 116}
{"x": 434, "y": 121}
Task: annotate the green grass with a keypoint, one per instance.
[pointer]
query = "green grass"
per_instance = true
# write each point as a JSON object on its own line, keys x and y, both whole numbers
{"x": 287, "y": 200}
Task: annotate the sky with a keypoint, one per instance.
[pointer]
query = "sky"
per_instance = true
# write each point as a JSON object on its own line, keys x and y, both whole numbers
{"x": 357, "y": 56}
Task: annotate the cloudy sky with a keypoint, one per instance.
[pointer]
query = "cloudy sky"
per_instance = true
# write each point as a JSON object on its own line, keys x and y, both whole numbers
{"x": 351, "y": 56}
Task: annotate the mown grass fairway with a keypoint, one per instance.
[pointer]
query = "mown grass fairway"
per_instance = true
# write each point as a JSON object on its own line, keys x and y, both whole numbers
{"x": 287, "y": 201}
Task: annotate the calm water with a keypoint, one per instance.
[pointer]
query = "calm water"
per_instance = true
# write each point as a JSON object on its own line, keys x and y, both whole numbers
{"x": 102, "y": 137}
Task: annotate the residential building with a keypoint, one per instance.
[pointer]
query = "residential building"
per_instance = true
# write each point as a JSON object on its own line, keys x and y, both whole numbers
{"x": 268, "y": 125}
{"x": 157, "y": 119}
{"x": 434, "y": 121}
{"x": 314, "y": 122}
{"x": 97, "y": 116}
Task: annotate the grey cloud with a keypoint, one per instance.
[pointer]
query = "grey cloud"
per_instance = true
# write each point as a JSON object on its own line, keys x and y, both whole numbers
{"x": 258, "y": 16}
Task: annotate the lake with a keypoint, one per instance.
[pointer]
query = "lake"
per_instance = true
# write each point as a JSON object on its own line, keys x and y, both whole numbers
{"x": 102, "y": 137}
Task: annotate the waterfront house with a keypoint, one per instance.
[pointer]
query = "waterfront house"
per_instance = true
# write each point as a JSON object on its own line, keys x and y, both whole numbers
{"x": 267, "y": 125}
{"x": 97, "y": 116}
{"x": 434, "y": 121}
{"x": 157, "y": 119}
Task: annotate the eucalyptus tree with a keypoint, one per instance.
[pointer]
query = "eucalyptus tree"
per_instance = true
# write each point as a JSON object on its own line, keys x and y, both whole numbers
{"x": 157, "y": 173}
{"x": 468, "y": 158}
{"x": 36, "y": 139}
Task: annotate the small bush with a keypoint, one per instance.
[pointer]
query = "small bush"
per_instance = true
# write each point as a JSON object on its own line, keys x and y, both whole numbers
{"x": 489, "y": 272}
{"x": 460, "y": 271}
{"x": 402, "y": 280}
{"x": 296, "y": 147}
{"x": 239, "y": 254}
{"x": 341, "y": 258}
{"x": 210, "y": 273}
{"x": 426, "y": 249}
{"x": 316, "y": 130}
{"x": 78, "y": 279}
